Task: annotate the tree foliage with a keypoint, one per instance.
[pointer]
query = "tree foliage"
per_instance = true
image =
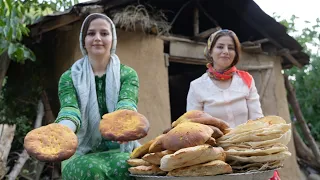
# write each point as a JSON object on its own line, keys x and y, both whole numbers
{"x": 306, "y": 80}
{"x": 21, "y": 90}
{"x": 15, "y": 15}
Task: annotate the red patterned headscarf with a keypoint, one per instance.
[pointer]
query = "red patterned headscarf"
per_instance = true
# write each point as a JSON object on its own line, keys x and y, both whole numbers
{"x": 228, "y": 73}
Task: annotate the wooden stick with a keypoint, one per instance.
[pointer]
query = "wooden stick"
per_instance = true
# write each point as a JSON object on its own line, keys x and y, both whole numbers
{"x": 303, "y": 151}
{"x": 297, "y": 112}
{"x": 24, "y": 156}
{"x": 6, "y": 137}
{"x": 196, "y": 21}
{"x": 207, "y": 32}
{"x": 265, "y": 83}
{"x": 286, "y": 53}
{"x": 174, "y": 38}
{"x": 4, "y": 65}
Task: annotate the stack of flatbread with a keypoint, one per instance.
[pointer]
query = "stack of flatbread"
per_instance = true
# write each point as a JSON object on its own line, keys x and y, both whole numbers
{"x": 257, "y": 145}
{"x": 186, "y": 149}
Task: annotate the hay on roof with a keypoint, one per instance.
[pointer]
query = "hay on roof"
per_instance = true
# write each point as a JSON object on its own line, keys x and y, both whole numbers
{"x": 132, "y": 18}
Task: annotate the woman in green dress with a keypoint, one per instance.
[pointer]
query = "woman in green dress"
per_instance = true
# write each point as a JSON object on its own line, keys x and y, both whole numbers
{"x": 95, "y": 85}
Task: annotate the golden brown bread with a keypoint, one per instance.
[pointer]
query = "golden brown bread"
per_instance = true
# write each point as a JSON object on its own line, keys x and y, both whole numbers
{"x": 211, "y": 141}
{"x": 222, "y": 125}
{"x": 186, "y": 134}
{"x": 141, "y": 150}
{"x": 51, "y": 143}
{"x": 138, "y": 162}
{"x": 217, "y": 133}
{"x": 124, "y": 125}
{"x": 156, "y": 146}
{"x": 190, "y": 115}
{"x": 208, "y": 169}
{"x": 154, "y": 158}
{"x": 167, "y": 130}
{"x": 146, "y": 170}
{"x": 192, "y": 156}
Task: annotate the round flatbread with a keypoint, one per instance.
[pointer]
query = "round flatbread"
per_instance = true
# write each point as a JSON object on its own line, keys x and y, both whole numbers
{"x": 51, "y": 143}
{"x": 124, "y": 125}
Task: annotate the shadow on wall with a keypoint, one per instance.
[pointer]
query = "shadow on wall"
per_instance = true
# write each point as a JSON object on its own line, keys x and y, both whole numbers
{"x": 180, "y": 76}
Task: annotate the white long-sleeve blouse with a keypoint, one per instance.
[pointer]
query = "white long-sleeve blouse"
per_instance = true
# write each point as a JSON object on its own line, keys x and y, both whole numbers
{"x": 235, "y": 105}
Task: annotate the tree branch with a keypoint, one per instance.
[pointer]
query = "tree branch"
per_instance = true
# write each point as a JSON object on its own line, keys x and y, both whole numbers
{"x": 303, "y": 152}
{"x": 24, "y": 156}
{"x": 4, "y": 65}
{"x": 298, "y": 114}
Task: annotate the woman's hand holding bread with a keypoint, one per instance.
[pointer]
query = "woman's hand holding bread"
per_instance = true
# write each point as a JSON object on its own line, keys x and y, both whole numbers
{"x": 51, "y": 143}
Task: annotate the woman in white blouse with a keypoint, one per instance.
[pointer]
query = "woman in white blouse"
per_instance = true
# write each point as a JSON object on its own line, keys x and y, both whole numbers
{"x": 223, "y": 91}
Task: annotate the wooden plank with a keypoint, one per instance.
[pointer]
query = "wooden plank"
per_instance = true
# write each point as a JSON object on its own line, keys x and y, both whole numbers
{"x": 255, "y": 67}
{"x": 180, "y": 39}
{"x": 6, "y": 137}
{"x": 195, "y": 21}
{"x": 199, "y": 61}
{"x": 186, "y": 60}
{"x": 187, "y": 50}
{"x": 207, "y": 33}
{"x": 54, "y": 24}
{"x": 252, "y": 49}
{"x": 4, "y": 65}
{"x": 286, "y": 53}
{"x": 265, "y": 81}
{"x": 273, "y": 41}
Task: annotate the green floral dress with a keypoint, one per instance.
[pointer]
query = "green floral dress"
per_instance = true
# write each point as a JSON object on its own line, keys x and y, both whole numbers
{"x": 106, "y": 161}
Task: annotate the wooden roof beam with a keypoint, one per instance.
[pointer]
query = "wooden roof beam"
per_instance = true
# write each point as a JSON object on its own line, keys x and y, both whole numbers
{"x": 41, "y": 28}
{"x": 207, "y": 33}
{"x": 286, "y": 53}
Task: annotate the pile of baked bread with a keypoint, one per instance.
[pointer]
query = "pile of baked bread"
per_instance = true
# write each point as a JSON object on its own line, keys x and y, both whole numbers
{"x": 198, "y": 144}
{"x": 186, "y": 149}
{"x": 257, "y": 145}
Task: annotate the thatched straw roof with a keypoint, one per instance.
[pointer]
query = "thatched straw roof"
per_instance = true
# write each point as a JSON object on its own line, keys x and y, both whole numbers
{"x": 244, "y": 17}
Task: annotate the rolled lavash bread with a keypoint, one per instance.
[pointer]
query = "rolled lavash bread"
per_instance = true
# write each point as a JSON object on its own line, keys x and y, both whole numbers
{"x": 155, "y": 158}
{"x": 51, "y": 143}
{"x": 207, "y": 169}
{"x": 191, "y": 156}
{"x": 124, "y": 125}
{"x": 138, "y": 162}
{"x": 147, "y": 170}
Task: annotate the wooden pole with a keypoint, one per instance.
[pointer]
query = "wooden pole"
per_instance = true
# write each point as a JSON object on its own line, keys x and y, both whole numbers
{"x": 196, "y": 21}
{"x": 4, "y": 65}
{"x": 298, "y": 114}
{"x": 303, "y": 152}
{"x": 24, "y": 156}
{"x": 6, "y": 137}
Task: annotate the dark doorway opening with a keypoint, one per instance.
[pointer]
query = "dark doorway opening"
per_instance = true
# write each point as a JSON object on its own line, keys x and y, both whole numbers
{"x": 180, "y": 76}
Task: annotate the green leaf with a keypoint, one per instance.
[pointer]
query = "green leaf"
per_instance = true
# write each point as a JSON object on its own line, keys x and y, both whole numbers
{"x": 28, "y": 54}
{"x": 8, "y": 33}
{"x": 18, "y": 34}
{"x": 8, "y": 5}
{"x": 19, "y": 55}
{"x": 3, "y": 45}
{"x": 11, "y": 50}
